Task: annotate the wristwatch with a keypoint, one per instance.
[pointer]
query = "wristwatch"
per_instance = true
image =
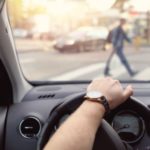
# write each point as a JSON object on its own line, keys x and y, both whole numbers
{"x": 97, "y": 96}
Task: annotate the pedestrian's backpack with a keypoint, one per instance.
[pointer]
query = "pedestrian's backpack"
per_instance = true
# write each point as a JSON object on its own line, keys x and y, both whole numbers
{"x": 109, "y": 37}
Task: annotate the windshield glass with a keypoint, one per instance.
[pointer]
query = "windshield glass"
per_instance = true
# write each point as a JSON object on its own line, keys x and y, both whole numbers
{"x": 71, "y": 40}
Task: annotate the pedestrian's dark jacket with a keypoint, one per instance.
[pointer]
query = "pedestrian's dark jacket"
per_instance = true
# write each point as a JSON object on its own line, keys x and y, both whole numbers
{"x": 118, "y": 37}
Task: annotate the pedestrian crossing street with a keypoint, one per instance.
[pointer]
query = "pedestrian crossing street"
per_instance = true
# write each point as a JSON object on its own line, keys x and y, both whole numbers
{"x": 96, "y": 70}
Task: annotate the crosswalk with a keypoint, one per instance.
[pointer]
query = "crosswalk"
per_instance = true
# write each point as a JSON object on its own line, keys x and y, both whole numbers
{"x": 79, "y": 72}
{"x": 84, "y": 72}
{"x": 143, "y": 75}
{"x": 96, "y": 71}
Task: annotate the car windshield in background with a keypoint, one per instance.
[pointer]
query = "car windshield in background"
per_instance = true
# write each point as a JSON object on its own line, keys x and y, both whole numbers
{"x": 69, "y": 40}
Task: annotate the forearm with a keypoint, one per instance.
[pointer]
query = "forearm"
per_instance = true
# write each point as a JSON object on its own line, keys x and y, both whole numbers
{"x": 81, "y": 128}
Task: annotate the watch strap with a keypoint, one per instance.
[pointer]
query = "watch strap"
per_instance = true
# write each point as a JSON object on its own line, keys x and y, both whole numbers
{"x": 102, "y": 100}
{"x": 105, "y": 103}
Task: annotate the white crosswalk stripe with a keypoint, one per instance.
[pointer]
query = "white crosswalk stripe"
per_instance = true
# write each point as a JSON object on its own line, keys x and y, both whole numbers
{"x": 143, "y": 75}
{"x": 115, "y": 73}
{"x": 116, "y": 67}
{"x": 116, "y": 70}
{"x": 78, "y": 72}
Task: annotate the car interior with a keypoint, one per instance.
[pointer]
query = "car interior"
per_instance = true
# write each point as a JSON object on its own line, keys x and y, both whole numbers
{"x": 31, "y": 111}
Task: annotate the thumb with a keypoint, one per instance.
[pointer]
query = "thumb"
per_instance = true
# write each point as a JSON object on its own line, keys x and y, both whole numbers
{"x": 128, "y": 92}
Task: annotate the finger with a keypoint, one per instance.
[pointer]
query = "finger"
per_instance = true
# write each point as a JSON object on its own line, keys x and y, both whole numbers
{"x": 128, "y": 92}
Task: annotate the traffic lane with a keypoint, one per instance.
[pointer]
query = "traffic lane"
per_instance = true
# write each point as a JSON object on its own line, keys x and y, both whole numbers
{"x": 45, "y": 65}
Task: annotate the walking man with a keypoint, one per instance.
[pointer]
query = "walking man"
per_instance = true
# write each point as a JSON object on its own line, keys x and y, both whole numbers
{"x": 118, "y": 36}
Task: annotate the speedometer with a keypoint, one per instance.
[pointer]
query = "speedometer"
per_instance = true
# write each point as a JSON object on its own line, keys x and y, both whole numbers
{"x": 129, "y": 126}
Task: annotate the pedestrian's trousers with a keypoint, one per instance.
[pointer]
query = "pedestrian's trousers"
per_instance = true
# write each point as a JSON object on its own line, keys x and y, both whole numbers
{"x": 120, "y": 54}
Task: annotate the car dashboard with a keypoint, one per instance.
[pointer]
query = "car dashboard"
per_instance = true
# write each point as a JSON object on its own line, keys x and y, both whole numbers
{"x": 26, "y": 119}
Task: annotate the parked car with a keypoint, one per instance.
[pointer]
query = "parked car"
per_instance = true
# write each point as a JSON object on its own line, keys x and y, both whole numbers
{"x": 83, "y": 39}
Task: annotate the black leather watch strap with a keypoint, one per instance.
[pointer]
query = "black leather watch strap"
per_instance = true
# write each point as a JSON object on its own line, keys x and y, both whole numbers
{"x": 105, "y": 103}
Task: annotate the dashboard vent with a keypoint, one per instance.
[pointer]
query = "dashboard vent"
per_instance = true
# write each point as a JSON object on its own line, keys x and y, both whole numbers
{"x": 30, "y": 127}
{"x": 46, "y": 96}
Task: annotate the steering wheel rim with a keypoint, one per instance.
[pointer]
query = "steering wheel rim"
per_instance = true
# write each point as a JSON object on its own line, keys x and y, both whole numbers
{"x": 105, "y": 131}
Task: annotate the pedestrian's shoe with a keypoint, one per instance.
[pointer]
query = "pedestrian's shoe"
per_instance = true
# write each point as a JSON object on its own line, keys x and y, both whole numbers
{"x": 134, "y": 73}
{"x": 106, "y": 73}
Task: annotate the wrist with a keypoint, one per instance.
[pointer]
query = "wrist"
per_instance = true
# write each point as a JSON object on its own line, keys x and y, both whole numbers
{"x": 93, "y": 109}
{"x": 98, "y": 97}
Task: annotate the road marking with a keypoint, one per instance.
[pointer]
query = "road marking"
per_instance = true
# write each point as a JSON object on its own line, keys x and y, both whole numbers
{"x": 27, "y": 60}
{"x": 79, "y": 72}
{"x": 86, "y": 70}
{"x": 143, "y": 75}
{"x": 116, "y": 70}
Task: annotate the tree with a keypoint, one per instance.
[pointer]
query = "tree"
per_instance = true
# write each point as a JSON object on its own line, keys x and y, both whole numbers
{"x": 15, "y": 9}
{"x": 119, "y": 4}
{"x": 21, "y": 14}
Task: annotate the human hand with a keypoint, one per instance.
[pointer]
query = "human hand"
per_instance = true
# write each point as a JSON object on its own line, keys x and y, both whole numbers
{"x": 112, "y": 90}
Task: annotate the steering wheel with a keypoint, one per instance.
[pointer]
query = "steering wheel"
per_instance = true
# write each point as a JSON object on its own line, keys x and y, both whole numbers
{"x": 106, "y": 137}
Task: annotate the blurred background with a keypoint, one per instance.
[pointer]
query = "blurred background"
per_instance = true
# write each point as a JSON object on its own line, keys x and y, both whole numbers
{"x": 58, "y": 36}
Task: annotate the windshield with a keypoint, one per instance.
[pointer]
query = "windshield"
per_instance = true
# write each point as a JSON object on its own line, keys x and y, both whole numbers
{"x": 69, "y": 40}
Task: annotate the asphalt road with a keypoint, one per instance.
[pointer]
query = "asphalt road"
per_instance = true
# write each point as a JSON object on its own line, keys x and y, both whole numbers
{"x": 52, "y": 65}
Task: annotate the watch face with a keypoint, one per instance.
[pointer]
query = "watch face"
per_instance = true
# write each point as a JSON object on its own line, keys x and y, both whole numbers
{"x": 94, "y": 94}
